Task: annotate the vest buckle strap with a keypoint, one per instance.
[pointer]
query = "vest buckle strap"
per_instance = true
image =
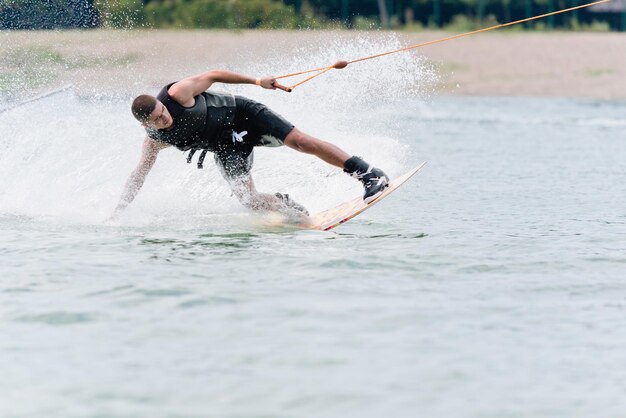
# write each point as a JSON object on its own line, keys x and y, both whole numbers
{"x": 190, "y": 155}
{"x": 201, "y": 158}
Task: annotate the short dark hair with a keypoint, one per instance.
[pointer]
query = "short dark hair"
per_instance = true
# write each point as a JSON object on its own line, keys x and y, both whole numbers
{"x": 143, "y": 106}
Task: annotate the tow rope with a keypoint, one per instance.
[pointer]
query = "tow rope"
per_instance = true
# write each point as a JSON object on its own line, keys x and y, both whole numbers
{"x": 343, "y": 64}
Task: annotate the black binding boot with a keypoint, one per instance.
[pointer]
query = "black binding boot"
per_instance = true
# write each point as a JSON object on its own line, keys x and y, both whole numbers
{"x": 374, "y": 179}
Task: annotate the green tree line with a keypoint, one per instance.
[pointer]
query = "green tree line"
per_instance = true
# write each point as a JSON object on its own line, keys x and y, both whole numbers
{"x": 454, "y": 15}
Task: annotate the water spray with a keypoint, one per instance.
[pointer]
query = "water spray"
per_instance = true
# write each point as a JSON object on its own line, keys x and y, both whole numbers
{"x": 343, "y": 64}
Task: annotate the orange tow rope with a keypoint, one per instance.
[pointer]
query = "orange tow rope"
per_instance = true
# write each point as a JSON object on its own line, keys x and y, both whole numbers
{"x": 343, "y": 64}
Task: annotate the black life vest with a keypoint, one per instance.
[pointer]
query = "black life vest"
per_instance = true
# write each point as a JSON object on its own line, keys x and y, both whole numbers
{"x": 203, "y": 126}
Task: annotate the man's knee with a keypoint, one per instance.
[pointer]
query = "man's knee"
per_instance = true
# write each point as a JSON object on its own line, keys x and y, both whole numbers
{"x": 245, "y": 197}
{"x": 243, "y": 189}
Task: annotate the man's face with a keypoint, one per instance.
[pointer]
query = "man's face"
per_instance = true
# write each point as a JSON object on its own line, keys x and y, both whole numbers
{"x": 160, "y": 118}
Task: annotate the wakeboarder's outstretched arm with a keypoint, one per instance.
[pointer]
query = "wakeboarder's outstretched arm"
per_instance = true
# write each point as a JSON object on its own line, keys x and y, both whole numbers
{"x": 149, "y": 153}
{"x": 186, "y": 89}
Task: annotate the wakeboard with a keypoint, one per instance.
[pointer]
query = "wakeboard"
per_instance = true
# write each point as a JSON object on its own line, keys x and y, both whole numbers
{"x": 329, "y": 219}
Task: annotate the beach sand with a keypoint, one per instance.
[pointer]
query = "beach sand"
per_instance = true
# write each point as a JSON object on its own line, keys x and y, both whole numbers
{"x": 556, "y": 64}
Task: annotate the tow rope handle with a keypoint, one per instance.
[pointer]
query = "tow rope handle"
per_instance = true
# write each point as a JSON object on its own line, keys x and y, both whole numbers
{"x": 337, "y": 66}
{"x": 281, "y": 87}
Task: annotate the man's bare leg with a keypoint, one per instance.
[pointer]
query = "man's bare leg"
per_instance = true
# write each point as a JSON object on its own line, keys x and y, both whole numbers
{"x": 374, "y": 179}
{"x": 328, "y": 152}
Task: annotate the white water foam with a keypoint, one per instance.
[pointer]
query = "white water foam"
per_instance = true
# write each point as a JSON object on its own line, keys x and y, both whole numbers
{"x": 65, "y": 158}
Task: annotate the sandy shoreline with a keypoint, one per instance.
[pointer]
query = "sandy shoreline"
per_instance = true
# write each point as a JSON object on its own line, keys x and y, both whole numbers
{"x": 560, "y": 64}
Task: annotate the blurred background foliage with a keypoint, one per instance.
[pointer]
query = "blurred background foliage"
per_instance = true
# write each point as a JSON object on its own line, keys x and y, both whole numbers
{"x": 452, "y": 15}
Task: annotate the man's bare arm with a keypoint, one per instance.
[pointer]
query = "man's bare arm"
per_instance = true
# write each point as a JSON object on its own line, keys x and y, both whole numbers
{"x": 186, "y": 89}
{"x": 136, "y": 179}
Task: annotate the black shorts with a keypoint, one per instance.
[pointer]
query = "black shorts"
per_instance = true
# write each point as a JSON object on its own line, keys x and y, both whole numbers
{"x": 255, "y": 126}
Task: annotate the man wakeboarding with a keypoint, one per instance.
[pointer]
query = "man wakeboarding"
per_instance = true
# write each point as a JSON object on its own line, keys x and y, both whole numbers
{"x": 187, "y": 116}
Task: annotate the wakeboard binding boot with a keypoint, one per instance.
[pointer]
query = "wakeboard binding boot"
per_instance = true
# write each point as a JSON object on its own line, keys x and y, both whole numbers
{"x": 374, "y": 179}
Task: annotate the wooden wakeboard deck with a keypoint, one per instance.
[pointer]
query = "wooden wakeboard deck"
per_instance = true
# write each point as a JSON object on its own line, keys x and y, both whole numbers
{"x": 333, "y": 217}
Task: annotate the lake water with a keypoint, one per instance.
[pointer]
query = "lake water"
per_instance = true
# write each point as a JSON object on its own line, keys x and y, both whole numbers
{"x": 493, "y": 284}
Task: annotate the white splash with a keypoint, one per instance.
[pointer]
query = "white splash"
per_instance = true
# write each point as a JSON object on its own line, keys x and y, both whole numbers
{"x": 67, "y": 158}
